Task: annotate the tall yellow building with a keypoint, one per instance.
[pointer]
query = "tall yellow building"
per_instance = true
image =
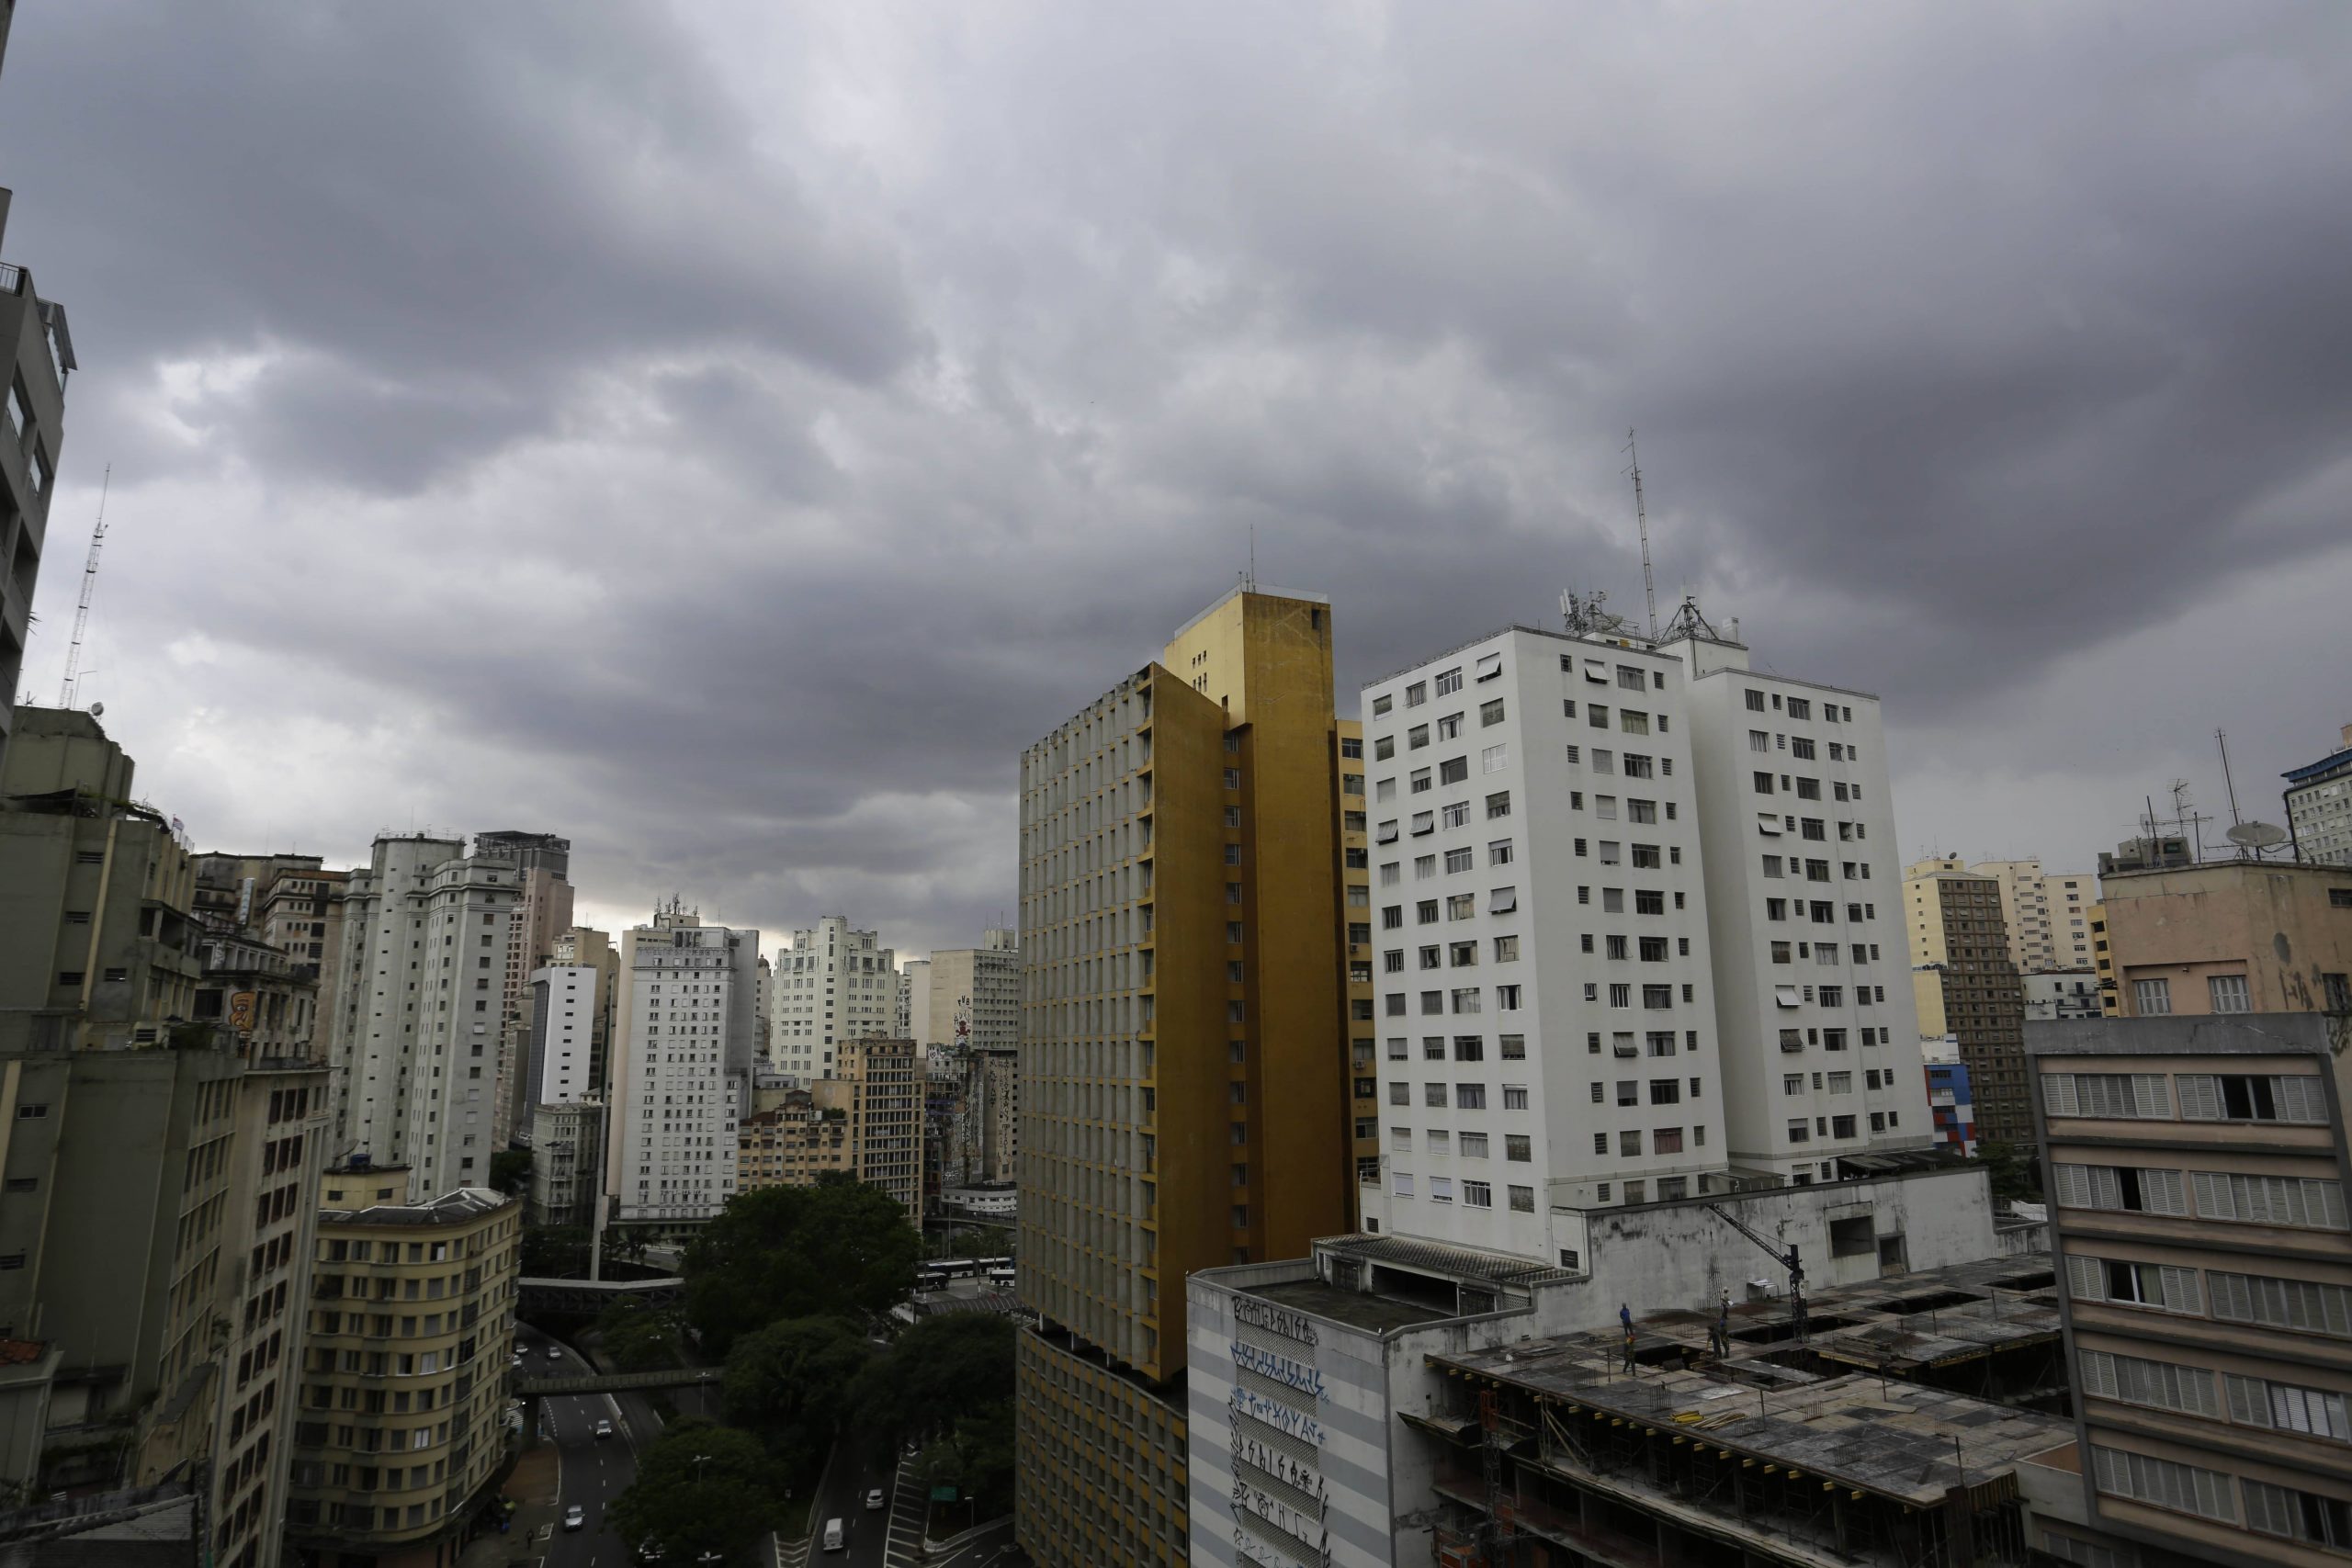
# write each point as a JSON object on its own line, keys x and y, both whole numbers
{"x": 1183, "y": 1087}
{"x": 1355, "y": 912}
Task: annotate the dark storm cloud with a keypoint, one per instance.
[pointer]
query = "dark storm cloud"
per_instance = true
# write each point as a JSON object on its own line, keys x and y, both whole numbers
{"x": 729, "y": 434}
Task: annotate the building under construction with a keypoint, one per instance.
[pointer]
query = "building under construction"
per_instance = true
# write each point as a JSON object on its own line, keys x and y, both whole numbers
{"x": 1394, "y": 1401}
{"x": 1783, "y": 1451}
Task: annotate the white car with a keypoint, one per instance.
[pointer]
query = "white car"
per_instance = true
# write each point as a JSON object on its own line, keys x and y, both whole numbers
{"x": 575, "y": 1518}
{"x": 603, "y": 1429}
{"x": 874, "y": 1500}
{"x": 555, "y": 1352}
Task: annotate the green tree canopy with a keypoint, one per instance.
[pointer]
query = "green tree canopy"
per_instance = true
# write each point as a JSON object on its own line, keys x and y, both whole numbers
{"x": 838, "y": 1249}
{"x": 790, "y": 1382}
{"x": 948, "y": 1367}
{"x": 700, "y": 1488}
{"x": 510, "y": 1171}
{"x": 2011, "y": 1171}
{"x": 637, "y": 1338}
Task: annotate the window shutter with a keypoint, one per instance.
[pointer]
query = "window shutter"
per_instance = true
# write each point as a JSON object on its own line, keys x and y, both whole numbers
{"x": 2098, "y": 1373}
{"x": 2086, "y": 1279}
{"x": 2200, "y": 1097}
{"x": 2303, "y": 1099}
{"x": 2180, "y": 1289}
{"x": 2057, "y": 1092}
{"x": 2249, "y": 1400}
{"x": 2160, "y": 1192}
{"x": 2149, "y": 1097}
{"x": 2212, "y": 1195}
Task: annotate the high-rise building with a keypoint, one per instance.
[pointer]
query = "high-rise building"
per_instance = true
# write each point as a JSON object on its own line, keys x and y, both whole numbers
{"x": 301, "y": 916}
{"x": 415, "y": 1048}
{"x": 878, "y": 1085}
{"x": 98, "y": 940}
{"x": 1546, "y": 1006}
{"x": 1356, "y": 909}
{"x": 157, "y": 1228}
{"x": 972, "y": 1005}
{"x": 2063, "y": 993}
{"x": 2318, "y": 806}
{"x": 2047, "y": 913}
{"x": 683, "y": 1048}
{"x": 542, "y": 865}
{"x": 1182, "y": 1055}
{"x": 790, "y": 1143}
{"x": 567, "y": 1143}
{"x": 1797, "y": 839}
{"x": 1966, "y": 987}
{"x": 588, "y": 948}
{"x": 2197, "y": 1168}
{"x": 404, "y": 1399}
{"x": 919, "y": 1025}
{"x": 2229, "y": 936}
{"x": 832, "y": 984}
{"x": 36, "y": 357}
{"x": 565, "y": 1005}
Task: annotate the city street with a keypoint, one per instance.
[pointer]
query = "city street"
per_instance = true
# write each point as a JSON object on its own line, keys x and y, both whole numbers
{"x": 594, "y": 1473}
{"x": 890, "y": 1536}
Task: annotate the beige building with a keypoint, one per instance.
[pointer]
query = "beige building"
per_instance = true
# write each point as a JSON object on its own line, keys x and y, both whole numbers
{"x": 2048, "y": 913}
{"x": 253, "y": 989}
{"x": 1361, "y": 1068}
{"x": 97, "y": 947}
{"x": 154, "y": 1229}
{"x": 301, "y": 915}
{"x": 832, "y": 984}
{"x": 402, "y": 1417}
{"x": 866, "y": 1121}
{"x": 792, "y": 1142}
{"x": 565, "y": 1142}
{"x": 2196, "y": 1170}
{"x": 2229, "y": 936}
{"x": 1966, "y": 987}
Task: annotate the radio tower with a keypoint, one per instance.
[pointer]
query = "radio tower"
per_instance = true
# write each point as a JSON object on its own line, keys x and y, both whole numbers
{"x": 89, "y": 586}
{"x": 1642, "y": 517}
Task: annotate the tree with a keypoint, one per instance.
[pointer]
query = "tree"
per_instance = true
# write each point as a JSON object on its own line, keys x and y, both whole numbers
{"x": 700, "y": 1488}
{"x": 555, "y": 1252}
{"x": 838, "y": 1249}
{"x": 790, "y": 1382}
{"x": 948, "y": 1367}
{"x": 2011, "y": 1172}
{"x": 510, "y": 1171}
{"x": 637, "y": 1338}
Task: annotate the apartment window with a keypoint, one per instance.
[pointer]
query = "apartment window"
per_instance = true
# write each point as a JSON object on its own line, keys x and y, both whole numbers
{"x": 2283, "y": 1406}
{"x": 2229, "y": 993}
{"x": 2210, "y": 1097}
{"x": 2281, "y": 1304}
{"x": 1498, "y": 806}
{"x": 1400, "y": 1093}
{"x": 1665, "y": 1141}
{"x": 1514, "y": 1096}
{"x": 1459, "y": 859}
{"x": 2268, "y": 1200}
{"x": 1401, "y": 1183}
{"x": 2113, "y": 1096}
{"x": 1629, "y": 1142}
{"x": 1505, "y": 949}
{"x": 2298, "y": 1516}
{"x": 1416, "y": 693}
{"x": 1800, "y": 1130}
{"x": 2132, "y": 1188}
{"x": 1233, "y": 778}
{"x": 1506, "y": 998}
{"x": 2185, "y": 1487}
{"x": 1449, "y": 681}
{"x": 1494, "y": 759}
{"x": 1396, "y": 1047}
{"x": 1502, "y": 900}
{"x": 1381, "y": 705}
{"x": 2151, "y": 998}
{"x": 1476, "y": 1195}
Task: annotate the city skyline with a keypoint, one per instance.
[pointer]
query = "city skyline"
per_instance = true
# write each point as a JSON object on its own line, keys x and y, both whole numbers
{"x": 911, "y": 241}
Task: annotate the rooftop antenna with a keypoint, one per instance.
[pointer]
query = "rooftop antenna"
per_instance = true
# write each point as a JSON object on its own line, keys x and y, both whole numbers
{"x": 1642, "y": 517}
{"x": 2222, "y": 738}
{"x": 89, "y": 586}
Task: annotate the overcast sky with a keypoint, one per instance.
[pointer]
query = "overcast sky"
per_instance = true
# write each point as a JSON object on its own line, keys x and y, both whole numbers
{"x": 726, "y": 434}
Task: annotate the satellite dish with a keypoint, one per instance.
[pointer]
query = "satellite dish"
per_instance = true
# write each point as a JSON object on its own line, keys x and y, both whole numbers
{"x": 2257, "y": 835}
{"x": 98, "y": 709}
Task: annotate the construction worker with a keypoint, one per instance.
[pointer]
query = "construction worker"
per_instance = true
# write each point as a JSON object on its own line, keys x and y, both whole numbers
{"x": 1719, "y": 1331}
{"x": 1625, "y": 1320}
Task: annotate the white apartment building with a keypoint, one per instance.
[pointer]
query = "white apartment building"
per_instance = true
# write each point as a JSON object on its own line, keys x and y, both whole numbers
{"x": 1546, "y": 1008}
{"x": 563, "y": 1028}
{"x": 832, "y": 984}
{"x": 918, "y": 975}
{"x": 1804, "y": 911}
{"x": 684, "y": 1042}
{"x": 2048, "y": 913}
{"x": 415, "y": 1041}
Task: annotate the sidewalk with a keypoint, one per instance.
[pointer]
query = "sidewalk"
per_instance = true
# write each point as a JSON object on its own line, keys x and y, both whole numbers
{"x": 533, "y": 1486}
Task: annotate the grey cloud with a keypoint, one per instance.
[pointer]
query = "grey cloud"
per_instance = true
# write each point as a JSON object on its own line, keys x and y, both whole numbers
{"x": 729, "y": 439}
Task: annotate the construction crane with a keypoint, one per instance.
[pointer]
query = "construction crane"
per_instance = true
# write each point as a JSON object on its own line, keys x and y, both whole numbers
{"x": 1787, "y": 1260}
{"x": 1642, "y": 517}
{"x": 89, "y": 586}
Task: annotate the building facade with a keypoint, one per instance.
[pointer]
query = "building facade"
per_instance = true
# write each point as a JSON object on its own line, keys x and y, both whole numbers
{"x": 585, "y": 947}
{"x": 2051, "y": 993}
{"x": 542, "y": 863}
{"x": 1797, "y": 841}
{"x": 971, "y": 1001}
{"x": 2230, "y": 936}
{"x": 416, "y": 1045}
{"x": 1180, "y": 1047}
{"x": 156, "y": 1228}
{"x": 301, "y": 916}
{"x": 1966, "y": 988}
{"x": 832, "y": 984}
{"x": 2197, "y": 1167}
{"x": 567, "y": 1139}
{"x": 1363, "y": 1066}
{"x": 565, "y": 1004}
{"x": 2318, "y": 806}
{"x": 791, "y": 1142}
{"x": 683, "y": 1053}
{"x": 403, "y": 1421}
{"x": 2047, "y": 914}
{"x": 37, "y": 357}
{"x": 97, "y": 944}
{"x": 878, "y": 1085}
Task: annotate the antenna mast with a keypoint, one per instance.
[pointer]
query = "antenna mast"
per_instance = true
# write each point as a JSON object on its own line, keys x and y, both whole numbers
{"x": 1642, "y": 517}
{"x": 89, "y": 586}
